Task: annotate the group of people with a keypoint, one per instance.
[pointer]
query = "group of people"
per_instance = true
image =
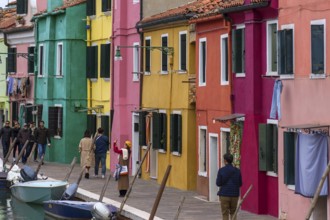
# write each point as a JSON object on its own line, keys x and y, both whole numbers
{"x": 93, "y": 150}
{"x": 29, "y": 132}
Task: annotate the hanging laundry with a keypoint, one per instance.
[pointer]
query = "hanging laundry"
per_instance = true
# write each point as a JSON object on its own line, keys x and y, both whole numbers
{"x": 276, "y": 100}
{"x": 19, "y": 86}
{"x": 10, "y": 84}
{"x": 15, "y": 86}
{"x": 23, "y": 87}
{"x": 311, "y": 162}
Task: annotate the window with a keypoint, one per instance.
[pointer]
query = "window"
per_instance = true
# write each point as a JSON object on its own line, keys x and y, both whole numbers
{"x": 41, "y": 60}
{"x": 142, "y": 129}
{"x": 22, "y": 6}
{"x": 105, "y": 124}
{"x": 31, "y": 59}
{"x": 12, "y": 60}
{"x": 271, "y": 48}
{"x": 268, "y": 147}
{"x": 14, "y": 111}
{"x": 225, "y": 142}
{"x": 105, "y": 61}
{"x": 202, "y": 62}
{"x": 164, "y": 55}
{"x": 318, "y": 47}
{"x": 285, "y": 51}
{"x": 106, "y": 5}
{"x": 147, "y": 56}
{"x": 59, "y": 60}
{"x": 202, "y": 151}
{"x": 91, "y": 7}
{"x": 289, "y": 158}
{"x": 28, "y": 113}
{"x": 91, "y": 123}
{"x": 91, "y": 69}
{"x": 183, "y": 51}
{"x": 136, "y": 62}
{"x": 238, "y": 50}
{"x": 55, "y": 119}
{"x": 224, "y": 59}
{"x": 159, "y": 131}
{"x": 176, "y": 133}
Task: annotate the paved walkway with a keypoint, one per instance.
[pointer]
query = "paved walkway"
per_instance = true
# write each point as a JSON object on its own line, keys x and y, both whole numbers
{"x": 143, "y": 196}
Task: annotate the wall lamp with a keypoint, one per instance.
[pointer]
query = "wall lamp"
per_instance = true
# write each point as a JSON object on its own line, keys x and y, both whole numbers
{"x": 165, "y": 50}
{"x": 29, "y": 56}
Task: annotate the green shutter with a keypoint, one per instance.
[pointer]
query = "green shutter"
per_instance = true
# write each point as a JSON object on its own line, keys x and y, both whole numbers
{"x": 22, "y": 6}
{"x": 91, "y": 123}
{"x": 28, "y": 113}
{"x": 269, "y": 147}
{"x": 289, "y": 51}
{"x": 243, "y": 50}
{"x": 52, "y": 120}
{"x": 262, "y": 147}
{"x": 105, "y": 61}
{"x": 234, "y": 51}
{"x": 95, "y": 61}
{"x": 106, "y": 5}
{"x": 89, "y": 58}
{"x": 163, "y": 139}
{"x": 155, "y": 130}
{"x": 90, "y": 8}
{"x": 40, "y": 110}
{"x": 142, "y": 129}
{"x": 30, "y": 59}
{"x": 173, "y": 132}
{"x": 183, "y": 50}
{"x": 147, "y": 54}
{"x": 179, "y": 134}
{"x": 105, "y": 124}
{"x": 12, "y": 60}
{"x": 275, "y": 149}
{"x": 289, "y": 158}
{"x": 14, "y": 112}
{"x": 280, "y": 53}
{"x": 164, "y": 55}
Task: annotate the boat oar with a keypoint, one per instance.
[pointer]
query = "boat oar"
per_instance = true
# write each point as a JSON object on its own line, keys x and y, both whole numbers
{"x": 32, "y": 151}
{"x": 241, "y": 201}
{"x": 39, "y": 166}
{"x": 71, "y": 169}
{"x": 11, "y": 147}
{"x": 72, "y": 189}
{"x": 104, "y": 188}
{"x": 20, "y": 155}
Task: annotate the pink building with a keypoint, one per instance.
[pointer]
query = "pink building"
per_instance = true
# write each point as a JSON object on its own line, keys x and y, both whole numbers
{"x": 20, "y": 60}
{"x": 304, "y": 33}
{"x": 126, "y": 78}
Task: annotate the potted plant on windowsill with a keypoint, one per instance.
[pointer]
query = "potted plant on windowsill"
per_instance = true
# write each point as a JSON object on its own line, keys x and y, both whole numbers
{"x": 20, "y": 20}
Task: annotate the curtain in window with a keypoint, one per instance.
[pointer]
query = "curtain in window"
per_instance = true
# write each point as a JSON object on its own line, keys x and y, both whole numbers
{"x": 235, "y": 142}
{"x": 311, "y": 161}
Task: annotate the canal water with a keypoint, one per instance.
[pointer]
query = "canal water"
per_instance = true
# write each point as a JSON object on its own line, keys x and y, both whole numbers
{"x": 11, "y": 208}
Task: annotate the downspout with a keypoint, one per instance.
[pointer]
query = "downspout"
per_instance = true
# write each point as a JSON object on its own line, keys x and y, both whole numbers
{"x": 112, "y": 72}
{"x": 89, "y": 43}
{"x": 228, "y": 23}
{"x": 141, "y": 52}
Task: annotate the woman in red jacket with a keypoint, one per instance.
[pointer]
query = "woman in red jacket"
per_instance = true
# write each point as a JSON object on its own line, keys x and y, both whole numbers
{"x": 124, "y": 155}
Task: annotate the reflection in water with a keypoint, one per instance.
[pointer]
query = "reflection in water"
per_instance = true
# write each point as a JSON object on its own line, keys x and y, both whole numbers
{"x": 12, "y": 208}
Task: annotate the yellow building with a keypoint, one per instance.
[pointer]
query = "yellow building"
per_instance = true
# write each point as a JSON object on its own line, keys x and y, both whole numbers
{"x": 98, "y": 65}
{"x": 167, "y": 115}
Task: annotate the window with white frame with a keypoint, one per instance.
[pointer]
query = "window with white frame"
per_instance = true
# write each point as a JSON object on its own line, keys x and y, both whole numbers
{"x": 59, "y": 60}
{"x": 136, "y": 62}
{"x": 224, "y": 59}
{"x": 202, "y": 62}
{"x": 285, "y": 50}
{"x": 164, "y": 56}
{"x": 147, "y": 51}
{"x": 238, "y": 50}
{"x": 202, "y": 151}
{"x": 41, "y": 60}
{"x": 271, "y": 48}
{"x": 136, "y": 1}
{"x": 318, "y": 46}
{"x": 55, "y": 121}
{"x": 225, "y": 142}
{"x": 183, "y": 51}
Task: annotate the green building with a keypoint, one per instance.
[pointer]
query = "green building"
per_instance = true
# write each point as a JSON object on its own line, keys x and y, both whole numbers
{"x": 60, "y": 88}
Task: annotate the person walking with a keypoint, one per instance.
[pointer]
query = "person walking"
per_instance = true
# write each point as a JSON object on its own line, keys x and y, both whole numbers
{"x": 15, "y": 131}
{"x": 5, "y": 135}
{"x": 101, "y": 148}
{"x": 86, "y": 151}
{"x": 33, "y": 141}
{"x": 42, "y": 136}
{"x": 24, "y": 135}
{"x": 124, "y": 155}
{"x": 229, "y": 180}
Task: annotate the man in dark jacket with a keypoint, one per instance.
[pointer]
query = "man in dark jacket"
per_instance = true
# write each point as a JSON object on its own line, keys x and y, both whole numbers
{"x": 5, "y": 135}
{"x": 101, "y": 148}
{"x": 15, "y": 131}
{"x": 24, "y": 135}
{"x": 229, "y": 180}
{"x": 42, "y": 136}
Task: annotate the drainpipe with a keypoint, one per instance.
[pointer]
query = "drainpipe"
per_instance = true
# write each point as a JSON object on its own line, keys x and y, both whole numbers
{"x": 227, "y": 23}
{"x": 112, "y": 72}
{"x": 89, "y": 43}
{"x": 141, "y": 52}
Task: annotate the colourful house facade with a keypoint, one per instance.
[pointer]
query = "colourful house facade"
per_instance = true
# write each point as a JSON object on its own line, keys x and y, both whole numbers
{"x": 213, "y": 97}
{"x": 167, "y": 115}
{"x": 304, "y": 104}
{"x": 60, "y": 88}
{"x": 98, "y": 64}
{"x": 254, "y": 69}
{"x": 126, "y": 78}
{"x": 4, "y": 100}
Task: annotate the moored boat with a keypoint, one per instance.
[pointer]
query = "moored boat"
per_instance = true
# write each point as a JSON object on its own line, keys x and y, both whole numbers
{"x": 38, "y": 191}
{"x": 67, "y": 209}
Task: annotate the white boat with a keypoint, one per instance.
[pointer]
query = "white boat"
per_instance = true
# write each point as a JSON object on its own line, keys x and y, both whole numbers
{"x": 38, "y": 191}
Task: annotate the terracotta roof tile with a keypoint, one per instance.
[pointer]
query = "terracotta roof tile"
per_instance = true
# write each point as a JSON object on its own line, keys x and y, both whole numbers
{"x": 7, "y": 18}
{"x": 70, "y": 3}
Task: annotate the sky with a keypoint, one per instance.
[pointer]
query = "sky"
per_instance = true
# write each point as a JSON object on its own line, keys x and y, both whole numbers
{"x": 4, "y": 2}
